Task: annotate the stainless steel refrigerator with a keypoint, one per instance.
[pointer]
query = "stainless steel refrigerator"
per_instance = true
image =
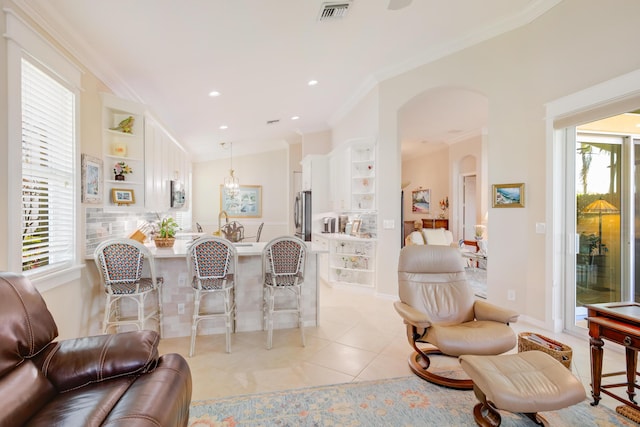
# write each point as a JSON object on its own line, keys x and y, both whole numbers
{"x": 302, "y": 215}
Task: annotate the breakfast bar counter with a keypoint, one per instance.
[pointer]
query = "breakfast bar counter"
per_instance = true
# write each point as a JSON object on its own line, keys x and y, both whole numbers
{"x": 177, "y": 301}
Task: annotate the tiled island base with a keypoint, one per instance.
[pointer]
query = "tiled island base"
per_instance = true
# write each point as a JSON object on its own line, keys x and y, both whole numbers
{"x": 178, "y": 295}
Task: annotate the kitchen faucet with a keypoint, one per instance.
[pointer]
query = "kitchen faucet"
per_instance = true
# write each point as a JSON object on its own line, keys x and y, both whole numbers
{"x": 226, "y": 216}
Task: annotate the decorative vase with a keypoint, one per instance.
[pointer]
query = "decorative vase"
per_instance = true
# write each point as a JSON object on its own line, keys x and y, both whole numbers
{"x": 164, "y": 242}
{"x": 120, "y": 177}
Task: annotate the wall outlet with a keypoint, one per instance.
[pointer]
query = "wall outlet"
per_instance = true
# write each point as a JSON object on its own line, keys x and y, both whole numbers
{"x": 511, "y": 295}
{"x": 180, "y": 308}
{"x": 182, "y": 279}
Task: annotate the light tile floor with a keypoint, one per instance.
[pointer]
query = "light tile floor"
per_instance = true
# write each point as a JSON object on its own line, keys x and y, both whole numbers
{"x": 360, "y": 337}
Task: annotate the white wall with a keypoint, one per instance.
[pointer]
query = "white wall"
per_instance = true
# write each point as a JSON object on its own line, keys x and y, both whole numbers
{"x": 272, "y": 170}
{"x": 573, "y": 46}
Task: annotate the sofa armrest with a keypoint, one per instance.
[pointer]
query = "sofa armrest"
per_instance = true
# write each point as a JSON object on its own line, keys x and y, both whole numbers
{"x": 487, "y": 311}
{"x": 411, "y": 315}
{"x": 77, "y": 362}
{"x": 160, "y": 398}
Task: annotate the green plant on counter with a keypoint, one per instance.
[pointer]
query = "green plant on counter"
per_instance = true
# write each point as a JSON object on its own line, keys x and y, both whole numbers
{"x": 167, "y": 227}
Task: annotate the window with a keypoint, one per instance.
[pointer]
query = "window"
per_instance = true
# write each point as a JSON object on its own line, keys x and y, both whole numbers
{"x": 48, "y": 113}
{"x": 43, "y": 93}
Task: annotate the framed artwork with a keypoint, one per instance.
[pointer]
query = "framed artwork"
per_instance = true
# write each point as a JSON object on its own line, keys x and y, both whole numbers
{"x": 420, "y": 201}
{"x": 122, "y": 196}
{"x": 91, "y": 179}
{"x": 508, "y": 195}
{"x": 355, "y": 227}
{"x": 177, "y": 194}
{"x": 246, "y": 203}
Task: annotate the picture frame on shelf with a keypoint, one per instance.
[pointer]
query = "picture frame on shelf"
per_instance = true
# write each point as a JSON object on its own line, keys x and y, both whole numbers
{"x": 355, "y": 227}
{"x": 122, "y": 196}
{"x": 245, "y": 203}
{"x": 92, "y": 184}
{"x": 420, "y": 201}
{"x": 508, "y": 195}
{"x": 177, "y": 194}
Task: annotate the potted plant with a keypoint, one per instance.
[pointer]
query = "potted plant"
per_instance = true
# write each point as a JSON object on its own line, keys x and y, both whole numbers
{"x": 165, "y": 237}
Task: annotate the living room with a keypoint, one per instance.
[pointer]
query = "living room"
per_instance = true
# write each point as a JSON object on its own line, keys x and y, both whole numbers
{"x": 536, "y": 79}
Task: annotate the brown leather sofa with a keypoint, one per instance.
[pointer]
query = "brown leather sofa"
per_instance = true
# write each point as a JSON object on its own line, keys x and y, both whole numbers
{"x": 105, "y": 380}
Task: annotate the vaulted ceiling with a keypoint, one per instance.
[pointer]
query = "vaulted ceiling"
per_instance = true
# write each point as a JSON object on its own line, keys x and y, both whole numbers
{"x": 260, "y": 55}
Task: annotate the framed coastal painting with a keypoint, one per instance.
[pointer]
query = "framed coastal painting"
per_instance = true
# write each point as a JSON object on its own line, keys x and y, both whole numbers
{"x": 245, "y": 203}
{"x": 91, "y": 179}
{"x": 420, "y": 201}
{"x": 508, "y": 195}
{"x": 122, "y": 196}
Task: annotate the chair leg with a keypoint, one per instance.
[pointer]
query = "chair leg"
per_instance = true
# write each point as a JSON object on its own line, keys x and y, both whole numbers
{"x": 228, "y": 308}
{"x": 270, "y": 308}
{"x": 160, "y": 312}
{"x": 107, "y": 314}
{"x": 140, "y": 301}
{"x": 300, "y": 319}
{"x": 194, "y": 322}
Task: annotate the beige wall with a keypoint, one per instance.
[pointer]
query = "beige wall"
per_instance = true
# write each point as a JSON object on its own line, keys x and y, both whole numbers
{"x": 573, "y": 46}
{"x": 271, "y": 170}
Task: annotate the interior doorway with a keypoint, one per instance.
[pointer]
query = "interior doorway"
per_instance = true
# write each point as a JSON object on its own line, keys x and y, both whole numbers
{"x": 469, "y": 209}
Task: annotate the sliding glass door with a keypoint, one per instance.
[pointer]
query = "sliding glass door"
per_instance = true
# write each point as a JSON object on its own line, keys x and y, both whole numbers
{"x": 600, "y": 195}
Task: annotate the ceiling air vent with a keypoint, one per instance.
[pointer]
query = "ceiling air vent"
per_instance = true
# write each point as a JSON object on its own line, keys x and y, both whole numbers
{"x": 333, "y": 10}
{"x": 273, "y": 122}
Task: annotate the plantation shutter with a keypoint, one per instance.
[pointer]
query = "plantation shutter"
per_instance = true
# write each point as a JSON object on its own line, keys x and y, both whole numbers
{"x": 48, "y": 138}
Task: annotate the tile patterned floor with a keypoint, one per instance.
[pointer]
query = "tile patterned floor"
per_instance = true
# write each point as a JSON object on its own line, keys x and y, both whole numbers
{"x": 360, "y": 338}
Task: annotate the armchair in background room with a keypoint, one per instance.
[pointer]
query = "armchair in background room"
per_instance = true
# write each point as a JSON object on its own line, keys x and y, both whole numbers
{"x": 438, "y": 307}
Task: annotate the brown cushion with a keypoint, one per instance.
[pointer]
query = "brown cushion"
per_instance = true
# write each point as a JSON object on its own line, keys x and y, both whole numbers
{"x": 27, "y": 325}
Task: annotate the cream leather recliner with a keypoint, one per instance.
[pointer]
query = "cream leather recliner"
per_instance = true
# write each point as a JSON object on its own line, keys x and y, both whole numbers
{"x": 439, "y": 308}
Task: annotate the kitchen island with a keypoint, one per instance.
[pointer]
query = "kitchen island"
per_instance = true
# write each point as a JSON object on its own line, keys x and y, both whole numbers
{"x": 177, "y": 298}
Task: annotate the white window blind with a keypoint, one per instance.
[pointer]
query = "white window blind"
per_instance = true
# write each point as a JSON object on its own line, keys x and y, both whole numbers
{"x": 48, "y": 139}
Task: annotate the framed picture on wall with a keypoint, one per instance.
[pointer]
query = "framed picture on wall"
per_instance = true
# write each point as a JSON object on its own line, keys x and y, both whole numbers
{"x": 245, "y": 203}
{"x": 420, "y": 201}
{"x": 91, "y": 179}
{"x": 508, "y": 195}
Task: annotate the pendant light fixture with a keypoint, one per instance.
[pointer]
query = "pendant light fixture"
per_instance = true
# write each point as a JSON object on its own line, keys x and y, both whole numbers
{"x": 231, "y": 184}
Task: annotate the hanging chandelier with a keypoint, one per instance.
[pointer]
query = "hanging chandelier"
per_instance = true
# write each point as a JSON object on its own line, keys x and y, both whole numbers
{"x": 231, "y": 184}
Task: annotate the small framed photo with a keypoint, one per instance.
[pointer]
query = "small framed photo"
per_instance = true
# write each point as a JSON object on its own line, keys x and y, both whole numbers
{"x": 355, "y": 227}
{"x": 121, "y": 196}
{"x": 177, "y": 194}
{"x": 245, "y": 203}
{"x": 91, "y": 179}
{"x": 508, "y": 195}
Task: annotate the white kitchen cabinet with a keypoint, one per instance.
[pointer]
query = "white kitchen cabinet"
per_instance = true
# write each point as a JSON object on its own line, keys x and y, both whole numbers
{"x": 125, "y": 146}
{"x": 154, "y": 157}
{"x": 315, "y": 170}
{"x": 166, "y": 161}
{"x": 352, "y": 261}
{"x": 321, "y": 244}
{"x": 339, "y": 182}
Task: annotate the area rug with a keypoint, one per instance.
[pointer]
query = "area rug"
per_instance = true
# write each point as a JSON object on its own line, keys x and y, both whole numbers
{"x": 407, "y": 401}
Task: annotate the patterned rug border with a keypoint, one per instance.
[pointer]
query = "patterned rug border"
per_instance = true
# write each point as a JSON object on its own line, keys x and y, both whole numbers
{"x": 400, "y": 401}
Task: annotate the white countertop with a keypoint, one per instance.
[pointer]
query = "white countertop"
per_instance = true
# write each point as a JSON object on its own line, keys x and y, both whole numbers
{"x": 179, "y": 249}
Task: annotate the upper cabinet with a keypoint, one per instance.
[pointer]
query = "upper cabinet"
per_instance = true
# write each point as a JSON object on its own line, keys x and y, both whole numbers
{"x": 144, "y": 149}
{"x": 123, "y": 152}
{"x": 315, "y": 168}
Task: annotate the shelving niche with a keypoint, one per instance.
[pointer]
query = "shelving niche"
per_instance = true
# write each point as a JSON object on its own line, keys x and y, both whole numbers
{"x": 363, "y": 177}
{"x": 352, "y": 261}
{"x": 119, "y": 146}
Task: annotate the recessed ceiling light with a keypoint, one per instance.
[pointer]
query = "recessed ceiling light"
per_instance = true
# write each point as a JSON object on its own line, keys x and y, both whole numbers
{"x": 223, "y": 127}
{"x": 295, "y": 117}
{"x": 312, "y": 82}
{"x": 214, "y": 93}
